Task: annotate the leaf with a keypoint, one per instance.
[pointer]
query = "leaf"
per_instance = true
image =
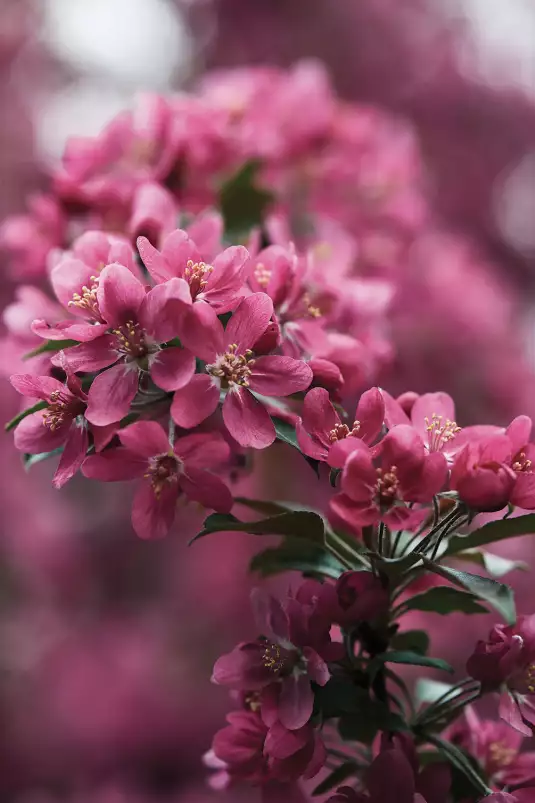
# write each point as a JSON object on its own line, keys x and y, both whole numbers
{"x": 298, "y": 523}
{"x": 24, "y": 414}
{"x": 262, "y": 506}
{"x": 429, "y": 691}
{"x": 341, "y": 696}
{"x": 373, "y": 716}
{"x": 286, "y": 434}
{"x": 295, "y": 554}
{"x": 243, "y": 204}
{"x": 333, "y": 476}
{"x": 30, "y": 460}
{"x": 492, "y": 532}
{"x": 411, "y": 640}
{"x": 495, "y": 565}
{"x": 498, "y": 595}
{"x": 337, "y": 777}
{"x": 461, "y": 762}
{"x": 406, "y": 657}
{"x": 50, "y": 345}
{"x": 444, "y": 600}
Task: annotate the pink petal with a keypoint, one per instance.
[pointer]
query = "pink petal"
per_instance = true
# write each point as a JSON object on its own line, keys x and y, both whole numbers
{"x": 177, "y": 249}
{"x": 172, "y": 368}
{"x": 341, "y": 450}
{"x": 202, "y": 332}
{"x": 153, "y": 211}
{"x": 394, "y": 413}
{"x": 69, "y": 330}
{"x": 206, "y": 232}
{"x": 510, "y": 713}
{"x": 430, "y": 404}
{"x": 430, "y": 481}
{"x": 317, "y": 669}
{"x": 319, "y": 415}
{"x": 247, "y": 420}
{"x": 249, "y": 322}
{"x": 153, "y": 516}
{"x": 114, "y": 465}
{"x": 270, "y": 617}
{"x": 312, "y": 448}
{"x": 202, "y": 449}
{"x": 207, "y": 489}
{"x": 145, "y": 438}
{"x": 119, "y": 295}
{"x": 195, "y": 402}
{"x": 282, "y": 742}
{"x": 73, "y": 454}
{"x": 36, "y": 387}
{"x": 519, "y": 432}
{"x": 153, "y": 260}
{"x": 88, "y": 357}
{"x": 33, "y": 437}
{"x": 523, "y": 494}
{"x": 352, "y": 515}
{"x": 68, "y": 278}
{"x": 359, "y": 476}
{"x": 296, "y": 701}
{"x": 370, "y": 413}
{"x": 280, "y": 376}
{"x": 102, "y": 436}
{"x": 111, "y": 394}
{"x": 228, "y": 271}
{"x": 164, "y": 308}
{"x": 391, "y": 770}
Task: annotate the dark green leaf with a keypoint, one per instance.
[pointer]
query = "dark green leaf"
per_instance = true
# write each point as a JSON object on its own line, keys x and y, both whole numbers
{"x": 298, "y": 524}
{"x": 373, "y": 716}
{"x": 411, "y": 640}
{"x": 50, "y": 345}
{"x": 444, "y": 600}
{"x": 295, "y": 554}
{"x": 407, "y": 657}
{"x": 243, "y": 204}
{"x": 495, "y": 565}
{"x": 333, "y": 476}
{"x": 30, "y": 460}
{"x": 461, "y": 762}
{"x": 337, "y": 777}
{"x": 262, "y": 506}
{"x": 340, "y": 696}
{"x": 24, "y": 414}
{"x": 498, "y": 595}
{"x": 492, "y": 532}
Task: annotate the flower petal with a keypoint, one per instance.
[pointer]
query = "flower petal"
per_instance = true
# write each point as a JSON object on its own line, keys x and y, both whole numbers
{"x": 202, "y": 449}
{"x": 172, "y": 368}
{"x": 32, "y": 436}
{"x": 145, "y": 438}
{"x": 202, "y": 332}
{"x": 391, "y": 771}
{"x": 114, "y": 465}
{"x": 153, "y": 515}
{"x": 296, "y": 701}
{"x": 36, "y": 387}
{"x": 68, "y": 278}
{"x": 370, "y": 414}
{"x": 73, "y": 454}
{"x": 195, "y": 402}
{"x": 249, "y": 322}
{"x": 119, "y": 295}
{"x": 280, "y": 376}
{"x": 207, "y": 489}
{"x": 88, "y": 357}
{"x": 163, "y": 309}
{"x": 247, "y": 420}
{"x": 111, "y": 394}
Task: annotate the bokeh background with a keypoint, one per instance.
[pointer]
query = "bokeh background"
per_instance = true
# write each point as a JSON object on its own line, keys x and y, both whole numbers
{"x": 106, "y": 642}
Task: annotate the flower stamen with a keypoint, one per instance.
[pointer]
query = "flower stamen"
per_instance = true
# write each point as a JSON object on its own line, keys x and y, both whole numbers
{"x": 440, "y": 433}
{"x": 233, "y": 368}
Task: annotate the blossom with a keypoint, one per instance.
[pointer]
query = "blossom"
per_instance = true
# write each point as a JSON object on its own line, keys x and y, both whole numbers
{"x": 506, "y": 663}
{"x": 524, "y": 795}
{"x": 432, "y": 415}
{"x": 232, "y": 368}
{"x": 482, "y": 473}
{"x": 406, "y": 473}
{"x": 30, "y": 237}
{"x": 321, "y": 433}
{"x": 293, "y": 651}
{"x": 356, "y": 597}
{"x": 523, "y": 457}
{"x": 136, "y": 323}
{"x": 218, "y": 283}
{"x": 60, "y": 424}
{"x": 168, "y": 470}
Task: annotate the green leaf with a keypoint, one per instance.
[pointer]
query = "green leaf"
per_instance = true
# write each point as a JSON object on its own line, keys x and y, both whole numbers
{"x": 498, "y": 595}
{"x": 495, "y": 565}
{"x": 429, "y": 691}
{"x": 406, "y": 657}
{"x": 262, "y": 506}
{"x": 295, "y": 554}
{"x": 299, "y": 523}
{"x": 373, "y": 716}
{"x": 461, "y": 762}
{"x": 24, "y": 414}
{"x": 286, "y": 434}
{"x": 337, "y": 777}
{"x": 243, "y": 204}
{"x": 340, "y": 696}
{"x": 50, "y": 345}
{"x": 492, "y": 532}
{"x": 30, "y": 460}
{"x": 411, "y": 640}
{"x": 444, "y": 600}
{"x": 333, "y": 476}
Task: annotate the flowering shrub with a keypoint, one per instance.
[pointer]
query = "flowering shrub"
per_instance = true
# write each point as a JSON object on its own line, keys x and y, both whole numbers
{"x": 175, "y": 338}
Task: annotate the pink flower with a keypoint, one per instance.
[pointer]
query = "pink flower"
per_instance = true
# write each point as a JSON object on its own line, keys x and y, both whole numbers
{"x": 136, "y": 323}
{"x": 432, "y": 415}
{"x": 321, "y": 433}
{"x": 506, "y": 661}
{"x": 496, "y": 747}
{"x": 355, "y": 597}
{"x": 406, "y": 473}
{"x": 482, "y": 473}
{"x": 232, "y": 368}
{"x": 292, "y": 652}
{"x": 168, "y": 470}
{"x": 218, "y": 284}
{"x": 60, "y": 424}
{"x": 30, "y": 238}
{"x": 525, "y": 795}
{"x": 154, "y": 213}
{"x": 247, "y": 750}
{"x": 522, "y": 463}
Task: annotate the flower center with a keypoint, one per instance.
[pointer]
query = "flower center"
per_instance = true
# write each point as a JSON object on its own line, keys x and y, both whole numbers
{"x": 341, "y": 431}
{"x": 131, "y": 340}
{"x": 500, "y": 755}
{"x": 312, "y": 309}
{"x": 273, "y": 659}
{"x": 521, "y": 463}
{"x": 262, "y": 274}
{"x": 196, "y": 275}
{"x": 59, "y": 408}
{"x": 252, "y": 701}
{"x": 86, "y": 299}
{"x": 233, "y": 368}
{"x": 162, "y": 471}
{"x": 386, "y": 487}
{"x": 440, "y": 433}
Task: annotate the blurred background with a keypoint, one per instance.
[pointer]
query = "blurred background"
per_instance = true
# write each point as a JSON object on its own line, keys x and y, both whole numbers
{"x": 106, "y": 642}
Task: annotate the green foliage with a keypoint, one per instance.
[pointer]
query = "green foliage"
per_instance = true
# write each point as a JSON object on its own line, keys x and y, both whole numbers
{"x": 336, "y": 777}
{"x": 30, "y": 460}
{"x": 444, "y": 600}
{"x": 491, "y": 533}
{"x": 50, "y": 346}
{"x": 295, "y": 555}
{"x": 495, "y": 565}
{"x": 468, "y": 770}
{"x": 242, "y": 202}
{"x": 406, "y": 657}
{"x": 296, "y": 523}
{"x": 411, "y": 640}
{"x": 286, "y": 434}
